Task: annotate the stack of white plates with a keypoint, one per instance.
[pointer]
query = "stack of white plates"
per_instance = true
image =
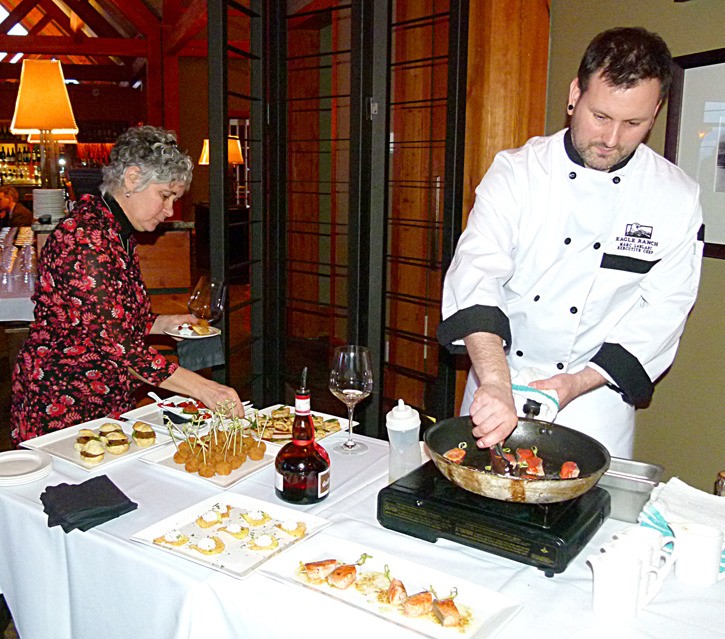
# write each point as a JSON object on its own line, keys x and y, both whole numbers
{"x": 49, "y": 201}
{"x": 23, "y": 466}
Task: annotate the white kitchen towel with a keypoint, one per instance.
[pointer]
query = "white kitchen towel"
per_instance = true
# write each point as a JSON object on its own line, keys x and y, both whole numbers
{"x": 681, "y": 503}
{"x": 549, "y": 399}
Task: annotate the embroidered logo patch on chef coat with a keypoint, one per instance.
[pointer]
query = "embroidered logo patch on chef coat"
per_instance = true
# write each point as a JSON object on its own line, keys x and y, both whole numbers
{"x": 638, "y": 230}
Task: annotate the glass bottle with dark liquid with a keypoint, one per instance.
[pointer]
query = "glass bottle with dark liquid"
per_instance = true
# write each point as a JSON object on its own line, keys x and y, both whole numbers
{"x": 302, "y": 467}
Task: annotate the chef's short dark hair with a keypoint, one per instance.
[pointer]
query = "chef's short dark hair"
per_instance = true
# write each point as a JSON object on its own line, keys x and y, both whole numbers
{"x": 625, "y": 56}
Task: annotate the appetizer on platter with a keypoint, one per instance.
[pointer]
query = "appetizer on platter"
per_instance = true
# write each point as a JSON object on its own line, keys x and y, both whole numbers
{"x": 279, "y": 426}
{"x": 208, "y": 546}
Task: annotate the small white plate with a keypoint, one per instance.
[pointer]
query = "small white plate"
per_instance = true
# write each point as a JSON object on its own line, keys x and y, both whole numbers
{"x": 484, "y": 612}
{"x": 23, "y": 466}
{"x": 61, "y": 444}
{"x": 174, "y": 332}
{"x": 164, "y": 457}
{"x": 237, "y": 559}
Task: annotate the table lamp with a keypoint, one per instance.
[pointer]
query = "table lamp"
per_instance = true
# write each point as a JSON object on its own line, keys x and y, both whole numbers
{"x": 234, "y": 157}
{"x": 43, "y": 109}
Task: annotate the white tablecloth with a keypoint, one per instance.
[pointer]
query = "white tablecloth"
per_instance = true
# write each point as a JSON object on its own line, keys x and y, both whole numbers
{"x": 100, "y": 584}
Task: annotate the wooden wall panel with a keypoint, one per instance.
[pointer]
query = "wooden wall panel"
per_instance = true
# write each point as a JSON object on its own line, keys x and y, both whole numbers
{"x": 508, "y": 48}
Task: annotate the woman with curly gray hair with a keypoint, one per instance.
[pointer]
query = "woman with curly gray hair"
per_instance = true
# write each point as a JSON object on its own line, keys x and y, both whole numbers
{"x": 86, "y": 354}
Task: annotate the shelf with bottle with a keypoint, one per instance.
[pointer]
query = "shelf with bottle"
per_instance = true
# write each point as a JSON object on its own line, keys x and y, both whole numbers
{"x": 19, "y": 160}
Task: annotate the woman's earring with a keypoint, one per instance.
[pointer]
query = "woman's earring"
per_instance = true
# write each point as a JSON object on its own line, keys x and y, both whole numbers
{"x": 128, "y": 194}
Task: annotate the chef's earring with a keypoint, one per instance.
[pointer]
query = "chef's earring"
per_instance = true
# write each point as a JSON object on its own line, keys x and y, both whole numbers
{"x": 570, "y": 108}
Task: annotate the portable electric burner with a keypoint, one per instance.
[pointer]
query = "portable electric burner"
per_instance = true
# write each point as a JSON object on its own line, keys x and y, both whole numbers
{"x": 426, "y": 505}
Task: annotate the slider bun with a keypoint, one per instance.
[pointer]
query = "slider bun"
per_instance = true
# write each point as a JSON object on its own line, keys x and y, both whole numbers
{"x": 92, "y": 453}
{"x": 117, "y": 443}
{"x": 110, "y": 428}
{"x": 143, "y": 434}
{"x": 83, "y": 437}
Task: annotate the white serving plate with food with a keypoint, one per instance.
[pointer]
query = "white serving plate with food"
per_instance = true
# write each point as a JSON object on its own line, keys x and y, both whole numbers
{"x": 273, "y": 433}
{"x": 23, "y": 466}
{"x": 153, "y": 414}
{"x": 483, "y": 612}
{"x": 164, "y": 457}
{"x": 61, "y": 444}
{"x": 190, "y": 334}
{"x": 238, "y": 557}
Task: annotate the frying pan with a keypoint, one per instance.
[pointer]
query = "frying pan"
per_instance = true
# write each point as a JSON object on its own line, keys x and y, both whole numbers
{"x": 556, "y": 444}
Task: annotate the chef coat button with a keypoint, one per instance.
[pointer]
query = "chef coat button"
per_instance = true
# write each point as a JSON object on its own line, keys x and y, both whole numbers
{"x": 560, "y": 366}
{"x": 597, "y": 245}
{"x": 520, "y": 353}
{"x": 573, "y": 310}
{"x": 616, "y": 179}
{"x": 567, "y": 241}
{"x": 572, "y": 175}
{"x": 537, "y": 298}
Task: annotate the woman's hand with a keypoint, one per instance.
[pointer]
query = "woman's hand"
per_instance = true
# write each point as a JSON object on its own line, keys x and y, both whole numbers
{"x": 211, "y": 393}
{"x": 170, "y": 322}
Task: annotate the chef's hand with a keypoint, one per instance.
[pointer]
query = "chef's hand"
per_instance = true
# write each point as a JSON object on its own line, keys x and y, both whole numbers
{"x": 493, "y": 414}
{"x": 569, "y": 386}
{"x": 170, "y": 322}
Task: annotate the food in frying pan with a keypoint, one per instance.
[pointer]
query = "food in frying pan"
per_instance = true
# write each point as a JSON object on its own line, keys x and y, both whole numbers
{"x": 569, "y": 470}
{"x": 456, "y": 455}
{"x": 528, "y": 463}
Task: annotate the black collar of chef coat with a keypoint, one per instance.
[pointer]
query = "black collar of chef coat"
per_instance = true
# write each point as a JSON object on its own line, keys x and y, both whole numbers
{"x": 127, "y": 229}
{"x": 577, "y": 159}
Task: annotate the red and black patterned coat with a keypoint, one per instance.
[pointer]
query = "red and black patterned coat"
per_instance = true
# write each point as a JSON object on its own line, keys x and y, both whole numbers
{"x": 92, "y": 313}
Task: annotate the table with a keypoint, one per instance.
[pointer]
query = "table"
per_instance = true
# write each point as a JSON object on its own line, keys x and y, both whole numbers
{"x": 101, "y": 584}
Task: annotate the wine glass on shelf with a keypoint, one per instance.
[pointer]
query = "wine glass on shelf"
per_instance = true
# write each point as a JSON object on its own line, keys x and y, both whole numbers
{"x": 351, "y": 381}
{"x": 206, "y": 301}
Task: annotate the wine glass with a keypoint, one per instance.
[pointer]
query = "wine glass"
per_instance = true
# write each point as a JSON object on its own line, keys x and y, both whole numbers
{"x": 207, "y": 299}
{"x": 351, "y": 381}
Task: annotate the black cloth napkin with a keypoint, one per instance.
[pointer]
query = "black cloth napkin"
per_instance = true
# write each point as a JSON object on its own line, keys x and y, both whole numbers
{"x": 85, "y": 505}
{"x": 196, "y": 354}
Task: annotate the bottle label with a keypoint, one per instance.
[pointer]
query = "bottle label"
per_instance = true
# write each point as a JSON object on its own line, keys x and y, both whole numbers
{"x": 323, "y": 483}
{"x": 278, "y": 481}
{"x": 302, "y": 404}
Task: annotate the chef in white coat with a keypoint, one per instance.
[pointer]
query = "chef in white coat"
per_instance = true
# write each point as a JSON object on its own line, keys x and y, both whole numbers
{"x": 581, "y": 257}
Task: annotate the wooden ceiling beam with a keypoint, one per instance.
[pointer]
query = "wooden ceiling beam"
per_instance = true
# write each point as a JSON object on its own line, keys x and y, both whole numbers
{"x": 189, "y": 23}
{"x": 81, "y": 72}
{"x": 17, "y": 15}
{"x": 68, "y": 45}
{"x": 40, "y": 25}
{"x": 136, "y": 12}
{"x": 61, "y": 20}
{"x": 93, "y": 19}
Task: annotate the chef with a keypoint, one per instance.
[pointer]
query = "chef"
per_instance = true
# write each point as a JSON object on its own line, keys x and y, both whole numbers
{"x": 581, "y": 257}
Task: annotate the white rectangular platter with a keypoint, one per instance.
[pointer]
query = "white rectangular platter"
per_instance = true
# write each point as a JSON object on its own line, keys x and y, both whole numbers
{"x": 281, "y": 440}
{"x": 483, "y": 612}
{"x": 61, "y": 444}
{"x": 164, "y": 457}
{"x": 238, "y": 557}
{"x": 153, "y": 415}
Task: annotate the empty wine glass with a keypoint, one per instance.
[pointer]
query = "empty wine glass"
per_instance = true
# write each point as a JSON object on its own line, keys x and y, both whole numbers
{"x": 207, "y": 299}
{"x": 351, "y": 381}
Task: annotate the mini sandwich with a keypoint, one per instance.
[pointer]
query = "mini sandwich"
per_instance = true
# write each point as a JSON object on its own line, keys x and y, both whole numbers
{"x": 92, "y": 452}
{"x": 84, "y": 436}
{"x": 117, "y": 443}
{"x": 108, "y": 428}
{"x": 143, "y": 434}
{"x": 202, "y": 328}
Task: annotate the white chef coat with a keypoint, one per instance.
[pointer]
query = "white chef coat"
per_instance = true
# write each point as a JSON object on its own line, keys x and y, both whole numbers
{"x": 575, "y": 267}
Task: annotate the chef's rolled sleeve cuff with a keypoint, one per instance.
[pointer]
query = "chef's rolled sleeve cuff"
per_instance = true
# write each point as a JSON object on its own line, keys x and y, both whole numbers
{"x": 474, "y": 319}
{"x": 630, "y": 378}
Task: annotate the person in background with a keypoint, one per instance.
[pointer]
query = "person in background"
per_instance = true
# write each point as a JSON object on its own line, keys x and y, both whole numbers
{"x": 12, "y": 212}
{"x": 86, "y": 354}
{"x": 581, "y": 257}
